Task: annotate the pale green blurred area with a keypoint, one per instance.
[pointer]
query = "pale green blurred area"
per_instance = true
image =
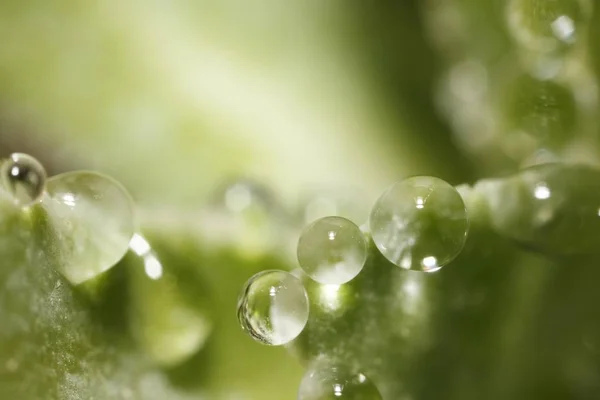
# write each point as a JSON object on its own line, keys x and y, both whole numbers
{"x": 172, "y": 97}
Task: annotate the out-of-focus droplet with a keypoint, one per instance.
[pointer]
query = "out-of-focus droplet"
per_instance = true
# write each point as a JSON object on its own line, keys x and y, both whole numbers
{"x": 247, "y": 215}
{"x": 332, "y": 250}
{"x": 543, "y": 110}
{"x": 323, "y": 382}
{"x": 333, "y": 201}
{"x": 273, "y": 307}
{"x": 23, "y": 178}
{"x": 420, "y": 223}
{"x": 553, "y": 208}
{"x": 546, "y": 26}
{"x": 168, "y": 308}
{"x": 89, "y": 222}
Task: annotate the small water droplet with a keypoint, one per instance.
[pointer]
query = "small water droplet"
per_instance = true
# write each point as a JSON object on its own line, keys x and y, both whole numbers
{"x": 273, "y": 307}
{"x": 90, "y": 222}
{"x": 323, "y": 382}
{"x": 332, "y": 250}
{"x": 24, "y": 178}
{"x": 552, "y": 208}
{"x": 420, "y": 223}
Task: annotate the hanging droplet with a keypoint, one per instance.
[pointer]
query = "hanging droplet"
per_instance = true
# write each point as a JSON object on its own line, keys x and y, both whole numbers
{"x": 168, "y": 307}
{"x": 544, "y": 111}
{"x": 420, "y": 223}
{"x": 325, "y": 382}
{"x": 546, "y": 26}
{"x": 273, "y": 307}
{"x": 87, "y": 226}
{"x": 24, "y": 178}
{"x": 332, "y": 250}
{"x": 553, "y": 208}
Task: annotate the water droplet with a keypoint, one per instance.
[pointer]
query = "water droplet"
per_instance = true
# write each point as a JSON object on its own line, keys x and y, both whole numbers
{"x": 332, "y": 250}
{"x": 273, "y": 307}
{"x": 546, "y": 26}
{"x": 543, "y": 110}
{"x": 89, "y": 224}
{"x": 168, "y": 305}
{"x": 324, "y": 382}
{"x": 553, "y": 208}
{"x": 420, "y": 223}
{"x": 24, "y": 178}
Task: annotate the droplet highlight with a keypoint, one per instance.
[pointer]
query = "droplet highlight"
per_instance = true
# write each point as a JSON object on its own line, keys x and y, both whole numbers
{"x": 332, "y": 250}
{"x": 273, "y": 307}
{"x": 327, "y": 383}
{"x": 546, "y": 26}
{"x": 420, "y": 223}
{"x": 23, "y": 178}
{"x": 87, "y": 225}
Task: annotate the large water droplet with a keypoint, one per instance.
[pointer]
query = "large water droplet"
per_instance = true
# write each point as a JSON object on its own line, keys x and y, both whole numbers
{"x": 168, "y": 306}
{"x": 324, "y": 382}
{"x": 543, "y": 110}
{"x": 89, "y": 222}
{"x": 273, "y": 307}
{"x": 332, "y": 250}
{"x": 420, "y": 223}
{"x": 24, "y": 178}
{"x": 546, "y": 26}
{"x": 554, "y": 208}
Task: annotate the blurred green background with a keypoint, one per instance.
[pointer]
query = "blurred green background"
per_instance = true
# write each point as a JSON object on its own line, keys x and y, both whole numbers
{"x": 174, "y": 99}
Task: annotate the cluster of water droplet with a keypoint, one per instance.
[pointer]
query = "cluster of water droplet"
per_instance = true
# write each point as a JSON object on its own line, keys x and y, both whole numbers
{"x": 420, "y": 223}
{"x": 84, "y": 221}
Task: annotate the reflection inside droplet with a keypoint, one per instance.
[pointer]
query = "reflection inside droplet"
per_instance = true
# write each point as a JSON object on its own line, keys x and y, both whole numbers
{"x": 563, "y": 28}
{"x": 542, "y": 191}
{"x": 420, "y": 202}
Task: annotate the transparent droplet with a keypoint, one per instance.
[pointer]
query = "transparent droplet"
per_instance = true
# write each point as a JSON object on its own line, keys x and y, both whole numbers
{"x": 546, "y": 26}
{"x": 420, "y": 223}
{"x": 168, "y": 308}
{"x": 89, "y": 222}
{"x": 543, "y": 110}
{"x": 553, "y": 208}
{"x": 23, "y": 178}
{"x": 273, "y": 307}
{"x": 324, "y": 382}
{"x": 332, "y": 250}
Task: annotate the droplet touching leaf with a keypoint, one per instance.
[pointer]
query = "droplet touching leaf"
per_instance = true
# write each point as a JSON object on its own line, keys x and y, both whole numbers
{"x": 85, "y": 224}
{"x": 273, "y": 307}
